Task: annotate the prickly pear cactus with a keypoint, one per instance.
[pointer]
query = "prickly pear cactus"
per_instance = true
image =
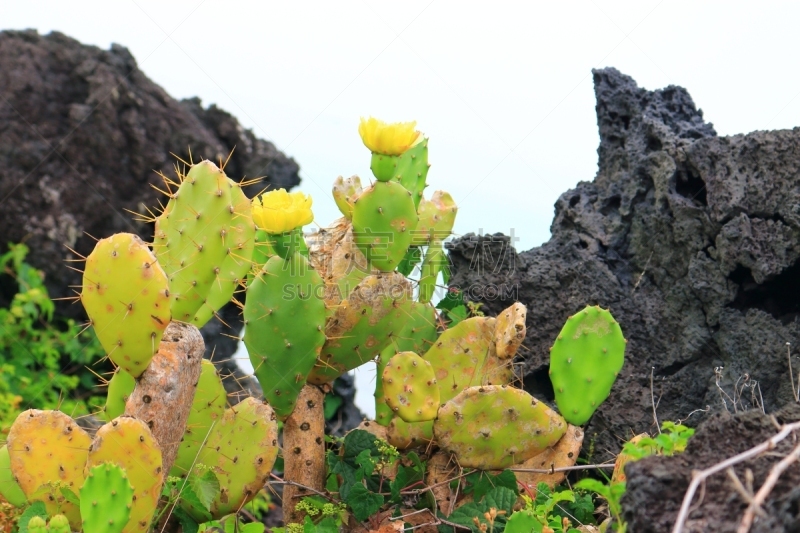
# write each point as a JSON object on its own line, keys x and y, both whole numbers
{"x": 345, "y": 193}
{"x": 509, "y": 331}
{"x": 106, "y": 499}
{"x": 384, "y": 219}
{"x": 128, "y": 443}
{"x": 494, "y": 427}
{"x": 417, "y": 335}
{"x": 284, "y": 328}
{"x": 585, "y": 361}
{"x": 37, "y": 525}
{"x": 410, "y": 388}
{"x": 464, "y": 356}
{"x": 59, "y": 524}
{"x": 126, "y": 295}
{"x": 432, "y": 265}
{"x": 120, "y": 387}
{"x": 47, "y": 448}
{"x": 208, "y": 406}
{"x": 363, "y": 325}
{"x": 241, "y": 451}
{"x": 411, "y": 170}
{"x": 9, "y": 488}
{"x": 204, "y": 239}
{"x": 436, "y": 218}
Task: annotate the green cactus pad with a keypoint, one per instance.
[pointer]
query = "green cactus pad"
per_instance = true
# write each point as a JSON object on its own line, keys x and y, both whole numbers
{"x": 345, "y": 192}
{"x": 208, "y": 406}
{"x": 120, "y": 387}
{"x": 9, "y": 488}
{"x": 284, "y": 316}
{"x": 204, "y": 239}
{"x": 464, "y": 356}
{"x": 363, "y": 325}
{"x": 432, "y": 265}
{"x": 241, "y": 451}
{"x": 404, "y": 435}
{"x": 494, "y": 427}
{"x": 106, "y": 499}
{"x": 585, "y": 360}
{"x": 411, "y": 170}
{"x": 417, "y": 335}
{"x": 410, "y": 389}
{"x": 509, "y": 331}
{"x": 436, "y": 219}
{"x": 128, "y": 443}
{"x": 48, "y": 448}
{"x": 384, "y": 219}
{"x": 126, "y": 295}
{"x": 59, "y": 524}
{"x": 37, "y": 525}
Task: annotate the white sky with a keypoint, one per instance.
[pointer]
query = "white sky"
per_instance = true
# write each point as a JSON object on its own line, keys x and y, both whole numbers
{"x": 503, "y": 89}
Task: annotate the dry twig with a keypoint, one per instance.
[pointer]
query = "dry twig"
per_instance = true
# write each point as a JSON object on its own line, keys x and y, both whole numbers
{"x": 766, "y": 488}
{"x": 699, "y": 476}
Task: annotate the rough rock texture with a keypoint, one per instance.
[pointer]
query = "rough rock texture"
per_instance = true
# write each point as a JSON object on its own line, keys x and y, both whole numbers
{"x": 691, "y": 239}
{"x": 82, "y": 132}
{"x": 656, "y": 485}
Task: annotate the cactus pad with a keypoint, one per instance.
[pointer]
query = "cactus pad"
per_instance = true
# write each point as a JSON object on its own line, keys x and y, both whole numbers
{"x": 37, "y": 525}
{"x": 436, "y": 218}
{"x": 494, "y": 427}
{"x": 410, "y": 388}
{"x": 126, "y": 295}
{"x": 417, "y": 335}
{"x": 411, "y": 169}
{"x": 208, "y": 406}
{"x": 384, "y": 219}
{"x": 433, "y": 263}
{"x": 509, "y": 331}
{"x": 120, "y": 387}
{"x": 241, "y": 450}
{"x": 585, "y": 361}
{"x": 284, "y": 316}
{"x": 48, "y": 448}
{"x": 463, "y": 356}
{"x": 204, "y": 239}
{"x": 59, "y": 524}
{"x": 363, "y": 325}
{"x": 106, "y": 499}
{"x": 128, "y": 443}
{"x": 345, "y": 192}
{"x": 9, "y": 488}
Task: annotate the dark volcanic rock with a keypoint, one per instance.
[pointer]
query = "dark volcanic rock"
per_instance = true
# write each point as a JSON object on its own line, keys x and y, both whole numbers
{"x": 83, "y": 132}
{"x": 657, "y": 485}
{"x": 692, "y": 240}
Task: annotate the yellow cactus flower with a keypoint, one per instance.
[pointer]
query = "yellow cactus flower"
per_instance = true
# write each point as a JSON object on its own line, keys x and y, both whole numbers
{"x": 388, "y": 139}
{"x": 279, "y": 211}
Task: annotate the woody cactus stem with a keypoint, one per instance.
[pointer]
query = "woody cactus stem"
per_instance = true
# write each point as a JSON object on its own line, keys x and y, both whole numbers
{"x": 303, "y": 451}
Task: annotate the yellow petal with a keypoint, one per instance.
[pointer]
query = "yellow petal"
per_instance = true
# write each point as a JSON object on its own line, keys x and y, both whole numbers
{"x": 388, "y": 139}
{"x": 279, "y": 211}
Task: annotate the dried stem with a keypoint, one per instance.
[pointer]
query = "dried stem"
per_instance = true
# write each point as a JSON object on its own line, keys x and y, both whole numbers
{"x": 699, "y": 476}
{"x": 766, "y": 488}
{"x": 653, "y": 400}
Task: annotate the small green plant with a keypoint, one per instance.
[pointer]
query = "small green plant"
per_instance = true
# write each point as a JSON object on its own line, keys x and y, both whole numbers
{"x": 549, "y": 510}
{"x": 672, "y": 440}
{"x": 43, "y": 357}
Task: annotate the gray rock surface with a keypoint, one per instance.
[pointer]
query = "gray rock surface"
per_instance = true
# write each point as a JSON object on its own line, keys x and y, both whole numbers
{"x": 82, "y": 133}
{"x": 691, "y": 239}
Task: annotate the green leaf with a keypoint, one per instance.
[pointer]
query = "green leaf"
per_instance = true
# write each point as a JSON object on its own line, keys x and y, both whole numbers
{"x": 410, "y": 260}
{"x": 205, "y": 488}
{"x": 252, "y": 527}
{"x": 366, "y": 463}
{"x": 407, "y": 475}
{"x": 188, "y": 524}
{"x": 499, "y": 498}
{"x": 356, "y": 442}
{"x": 70, "y": 496}
{"x": 481, "y": 482}
{"x": 332, "y": 403}
{"x": 328, "y": 525}
{"x": 189, "y": 499}
{"x": 35, "y": 509}
{"x": 363, "y": 502}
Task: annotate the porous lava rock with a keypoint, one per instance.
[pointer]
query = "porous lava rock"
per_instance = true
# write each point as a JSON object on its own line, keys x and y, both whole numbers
{"x": 691, "y": 239}
{"x": 83, "y": 132}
